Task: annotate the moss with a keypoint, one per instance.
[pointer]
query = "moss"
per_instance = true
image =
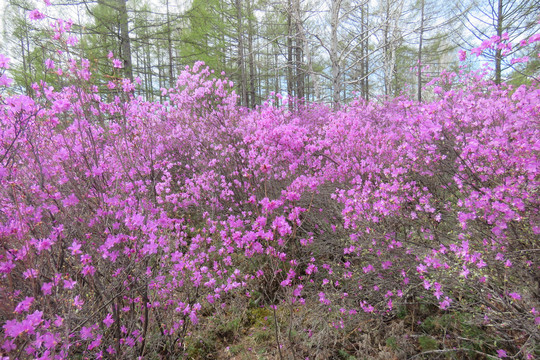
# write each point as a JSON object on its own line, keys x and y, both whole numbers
{"x": 259, "y": 316}
{"x": 402, "y": 312}
{"x": 430, "y": 324}
{"x": 428, "y": 343}
{"x": 391, "y": 342}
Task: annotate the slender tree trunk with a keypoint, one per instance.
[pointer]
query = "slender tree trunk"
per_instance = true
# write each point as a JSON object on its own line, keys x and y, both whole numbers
{"x": 276, "y": 73}
{"x": 362, "y": 52}
{"x": 25, "y": 50}
{"x": 169, "y": 47}
{"x": 387, "y": 68}
{"x": 160, "y": 77}
{"x": 366, "y": 55}
{"x": 125, "y": 43}
{"x": 299, "y": 53}
{"x": 336, "y": 71}
{"x": 241, "y": 62}
{"x": 498, "y": 53}
{"x": 420, "y": 51}
{"x": 150, "y": 86}
{"x": 303, "y": 46}
{"x": 251, "y": 59}
{"x": 290, "y": 76}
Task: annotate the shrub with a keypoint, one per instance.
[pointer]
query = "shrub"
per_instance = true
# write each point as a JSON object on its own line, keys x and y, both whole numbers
{"x": 126, "y": 224}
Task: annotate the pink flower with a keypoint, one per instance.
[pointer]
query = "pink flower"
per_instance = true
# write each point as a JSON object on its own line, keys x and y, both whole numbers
{"x": 9, "y": 345}
{"x": 86, "y": 333}
{"x": 282, "y": 226}
{"x": 462, "y": 55}
{"x": 24, "y": 305}
{"x": 13, "y": 328}
{"x": 477, "y": 51}
{"x": 72, "y": 40}
{"x": 127, "y": 85}
{"x": 117, "y": 63}
{"x": 445, "y": 304}
{"x": 4, "y": 62}
{"x": 30, "y": 273}
{"x": 95, "y": 343}
{"x": 72, "y": 199}
{"x": 108, "y": 321}
{"x": 75, "y": 248}
{"x": 46, "y": 288}
{"x": 78, "y": 302}
{"x": 49, "y": 64}
{"x": 501, "y": 353}
{"x": 5, "y": 81}
{"x": 515, "y": 296}
{"x": 69, "y": 284}
{"x": 519, "y": 60}
{"x": 534, "y": 38}
{"x": 36, "y": 15}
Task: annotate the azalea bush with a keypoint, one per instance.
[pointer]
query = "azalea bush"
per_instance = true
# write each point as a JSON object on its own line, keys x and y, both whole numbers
{"x": 132, "y": 229}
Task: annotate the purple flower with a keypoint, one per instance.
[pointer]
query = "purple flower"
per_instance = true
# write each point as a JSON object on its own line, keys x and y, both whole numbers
{"x": 24, "y": 305}
{"x": 86, "y": 333}
{"x": 117, "y": 63}
{"x": 5, "y": 81}
{"x": 49, "y": 64}
{"x": 69, "y": 284}
{"x": 4, "y": 62}
{"x": 108, "y": 321}
{"x": 36, "y": 15}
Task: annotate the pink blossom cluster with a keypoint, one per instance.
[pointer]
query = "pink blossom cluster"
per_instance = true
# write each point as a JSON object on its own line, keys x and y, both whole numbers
{"x": 123, "y": 220}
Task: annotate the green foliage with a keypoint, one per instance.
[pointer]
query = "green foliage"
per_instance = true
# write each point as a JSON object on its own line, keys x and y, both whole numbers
{"x": 344, "y": 355}
{"x": 391, "y": 342}
{"x": 401, "y": 312}
{"x": 428, "y": 343}
{"x": 205, "y": 38}
{"x": 201, "y": 347}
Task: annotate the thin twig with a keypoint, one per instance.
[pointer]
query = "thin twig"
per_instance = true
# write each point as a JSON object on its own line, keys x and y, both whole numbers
{"x": 277, "y": 334}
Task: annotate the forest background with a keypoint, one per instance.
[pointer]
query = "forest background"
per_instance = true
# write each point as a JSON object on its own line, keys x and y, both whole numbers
{"x": 322, "y": 51}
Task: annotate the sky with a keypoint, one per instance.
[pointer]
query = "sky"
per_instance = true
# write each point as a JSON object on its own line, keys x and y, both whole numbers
{"x": 2, "y": 4}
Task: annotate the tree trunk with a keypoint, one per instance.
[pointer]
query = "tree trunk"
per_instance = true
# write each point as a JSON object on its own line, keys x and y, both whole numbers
{"x": 387, "y": 68}
{"x": 169, "y": 47}
{"x": 125, "y": 43}
{"x": 420, "y": 51}
{"x": 500, "y": 18}
{"x": 252, "y": 100}
{"x": 336, "y": 72}
{"x": 241, "y": 63}
{"x": 290, "y": 79}
{"x": 366, "y": 55}
{"x": 299, "y": 53}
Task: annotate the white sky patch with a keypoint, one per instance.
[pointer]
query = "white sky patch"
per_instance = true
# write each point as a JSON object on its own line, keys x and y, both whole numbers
{"x": 2, "y": 8}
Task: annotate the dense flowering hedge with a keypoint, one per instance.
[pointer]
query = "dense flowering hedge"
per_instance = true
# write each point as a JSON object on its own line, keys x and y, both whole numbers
{"x": 126, "y": 225}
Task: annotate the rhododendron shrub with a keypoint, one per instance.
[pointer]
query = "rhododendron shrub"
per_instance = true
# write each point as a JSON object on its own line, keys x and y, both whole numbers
{"x": 127, "y": 226}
